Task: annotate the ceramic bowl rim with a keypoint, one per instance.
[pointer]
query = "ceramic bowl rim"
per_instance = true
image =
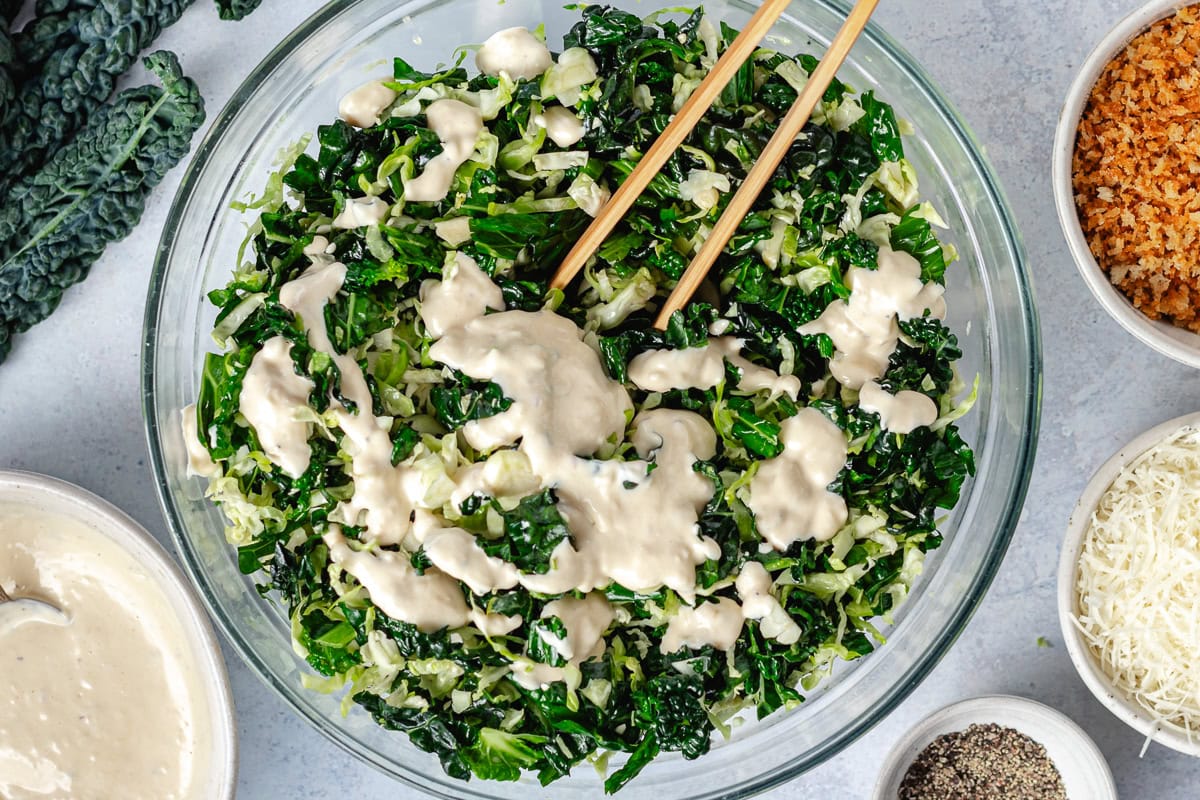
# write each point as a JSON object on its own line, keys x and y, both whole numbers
{"x": 980, "y": 709}
{"x": 1089, "y": 671}
{"x": 1164, "y": 337}
{"x": 54, "y": 493}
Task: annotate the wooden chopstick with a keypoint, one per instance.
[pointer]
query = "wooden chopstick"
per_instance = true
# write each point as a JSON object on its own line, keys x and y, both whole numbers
{"x": 768, "y": 160}
{"x": 669, "y": 140}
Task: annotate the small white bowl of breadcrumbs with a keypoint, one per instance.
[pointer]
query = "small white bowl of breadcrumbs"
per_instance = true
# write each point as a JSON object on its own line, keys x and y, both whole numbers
{"x": 1126, "y": 175}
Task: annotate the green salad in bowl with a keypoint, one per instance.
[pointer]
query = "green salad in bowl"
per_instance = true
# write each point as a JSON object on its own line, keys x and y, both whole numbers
{"x": 522, "y": 525}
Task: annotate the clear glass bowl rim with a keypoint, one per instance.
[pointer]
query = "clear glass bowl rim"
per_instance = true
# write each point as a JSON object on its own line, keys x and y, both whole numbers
{"x": 969, "y": 600}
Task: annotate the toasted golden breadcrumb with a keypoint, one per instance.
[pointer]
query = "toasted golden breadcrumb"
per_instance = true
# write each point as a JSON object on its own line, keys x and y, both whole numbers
{"x": 1137, "y": 170}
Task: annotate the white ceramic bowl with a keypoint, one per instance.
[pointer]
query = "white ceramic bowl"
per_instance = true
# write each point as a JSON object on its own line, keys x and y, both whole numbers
{"x": 1116, "y": 701}
{"x": 55, "y": 496}
{"x": 1084, "y": 772}
{"x": 1179, "y": 344}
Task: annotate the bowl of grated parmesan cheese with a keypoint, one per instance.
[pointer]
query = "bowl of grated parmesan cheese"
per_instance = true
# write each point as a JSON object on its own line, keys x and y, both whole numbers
{"x": 1129, "y": 584}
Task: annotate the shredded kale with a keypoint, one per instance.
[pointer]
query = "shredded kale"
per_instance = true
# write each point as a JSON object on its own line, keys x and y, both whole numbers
{"x": 843, "y": 192}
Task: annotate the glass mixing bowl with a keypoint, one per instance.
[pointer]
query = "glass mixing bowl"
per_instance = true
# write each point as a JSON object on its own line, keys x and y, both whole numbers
{"x": 298, "y": 86}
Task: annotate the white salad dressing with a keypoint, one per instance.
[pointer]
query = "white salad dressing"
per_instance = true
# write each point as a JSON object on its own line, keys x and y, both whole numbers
{"x": 709, "y": 624}
{"x": 319, "y": 250}
{"x": 363, "y": 107}
{"x": 863, "y": 328}
{"x": 464, "y": 293}
{"x": 457, "y": 553}
{"x": 431, "y": 601}
{"x": 272, "y": 401}
{"x": 108, "y": 705}
{"x": 382, "y": 492}
{"x": 754, "y": 589}
{"x": 561, "y": 124}
{"x": 902, "y": 412}
{"x": 586, "y": 620}
{"x": 631, "y": 527}
{"x": 515, "y": 51}
{"x": 789, "y": 494}
{"x": 457, "y": 126}
{"x": 704, "y": 367}
{"x": 386, "y": 496}
{"x": 199, "y": 460}
{"x": 361, "y": 212}
{"x": 563, "y": 400}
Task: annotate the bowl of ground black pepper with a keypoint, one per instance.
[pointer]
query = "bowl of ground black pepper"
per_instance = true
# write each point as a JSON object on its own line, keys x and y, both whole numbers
{"x": 997, "y": 747}
{"x": 1126, "y": 175}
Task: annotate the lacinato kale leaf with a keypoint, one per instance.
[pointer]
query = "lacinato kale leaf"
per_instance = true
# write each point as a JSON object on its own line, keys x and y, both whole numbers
{"x": 56, "y": 222}
{"x": 236, "y": 9}
{"x": 8, "y": 65}
{"x": 434, "y": 732}
{"x": 96, "y": 43}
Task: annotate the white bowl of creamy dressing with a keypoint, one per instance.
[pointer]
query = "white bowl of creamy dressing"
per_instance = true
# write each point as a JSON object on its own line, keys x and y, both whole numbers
{"x": 130, "y": 697}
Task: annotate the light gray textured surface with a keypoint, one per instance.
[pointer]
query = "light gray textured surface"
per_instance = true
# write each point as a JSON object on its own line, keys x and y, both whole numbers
{"x": 69, "y": 398}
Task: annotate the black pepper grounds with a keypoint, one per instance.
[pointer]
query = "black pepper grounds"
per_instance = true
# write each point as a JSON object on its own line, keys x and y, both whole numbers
{"x": 984, "y": 762}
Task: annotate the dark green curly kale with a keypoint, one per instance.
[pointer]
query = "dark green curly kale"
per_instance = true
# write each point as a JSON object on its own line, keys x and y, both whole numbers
{"x": 56, "y": 222}
{"x": 236, "y": 9}
{"x": 86, "y": 46}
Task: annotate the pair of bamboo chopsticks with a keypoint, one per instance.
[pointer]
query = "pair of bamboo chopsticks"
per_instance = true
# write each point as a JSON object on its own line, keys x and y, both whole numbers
{"x": 686, "y": 119}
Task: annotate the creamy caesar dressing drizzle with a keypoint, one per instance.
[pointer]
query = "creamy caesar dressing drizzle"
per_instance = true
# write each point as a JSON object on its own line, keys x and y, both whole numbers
{"x": 272, "y": 401}
{"x": 565, "y": 408}
{"x": 515, "y": 51}
{"x": 561, "y": 124}
{"x": 863, "y": 328}
{"x": 360, "y": 212}
{"x": 363, "y": 107}
{"x": 109, "y": 704}
{"x": 753, "y": 586}
{"x": 719, "y": 624}
{"x": 387, "y": 497}
{"x": 199, "y": 460}
{"x": 457, "y": 553}
{"x": 704, "y": 367}
{"x": 708, "y": 624}
{"x": 457, "y": 126}
{"x": 630, "y": 524}
{"x": 586, "y": 620}
{"x": 430, "y": 601}
{"x": 464, "y": 293}
{"x": 382, "y": 493}
{"x": 789, "y": 494}
{"x": 902, "y": 412}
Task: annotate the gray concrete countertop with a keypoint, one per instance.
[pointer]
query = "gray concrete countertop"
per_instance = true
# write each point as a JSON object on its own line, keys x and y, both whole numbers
{"x": 69, "y": 396}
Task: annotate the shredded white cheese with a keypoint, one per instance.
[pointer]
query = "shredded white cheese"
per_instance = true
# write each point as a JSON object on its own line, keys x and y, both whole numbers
{"x": 1138, "y": 582}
